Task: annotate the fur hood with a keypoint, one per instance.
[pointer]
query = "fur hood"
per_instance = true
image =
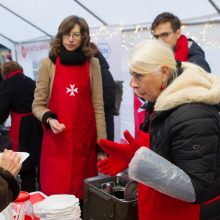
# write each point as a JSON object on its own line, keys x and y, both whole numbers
{"x": 193, "y": 86}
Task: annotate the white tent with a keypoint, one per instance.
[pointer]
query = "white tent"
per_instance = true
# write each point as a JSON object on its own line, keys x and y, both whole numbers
{"x": 32, "y": 20}
{"x": 35, "y": 20}
{"x": 114, "y": 25}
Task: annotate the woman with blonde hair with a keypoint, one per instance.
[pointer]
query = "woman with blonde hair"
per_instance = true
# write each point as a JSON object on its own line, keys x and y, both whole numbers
{"x": 178, "y": 167}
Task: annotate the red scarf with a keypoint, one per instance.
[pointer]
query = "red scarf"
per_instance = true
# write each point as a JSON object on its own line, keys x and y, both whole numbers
{"x": 11, "y": 74}
{"x": 181, "y": 49}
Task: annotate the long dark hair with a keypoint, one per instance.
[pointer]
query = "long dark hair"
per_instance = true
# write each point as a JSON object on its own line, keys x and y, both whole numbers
{"x": 65, "y": 27}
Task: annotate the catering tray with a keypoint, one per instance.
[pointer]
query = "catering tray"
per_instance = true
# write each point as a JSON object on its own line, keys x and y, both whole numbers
{"x": 102, "y": 202}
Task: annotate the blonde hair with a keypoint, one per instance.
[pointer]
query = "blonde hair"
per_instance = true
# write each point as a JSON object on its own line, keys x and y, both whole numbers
{"x": 148, "y": 55}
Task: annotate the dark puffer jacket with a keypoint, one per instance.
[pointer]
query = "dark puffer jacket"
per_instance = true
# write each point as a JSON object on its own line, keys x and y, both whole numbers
{"x": 197, "y": 56}
{"x": 189, "y": 137}
{"x": 185, "y": 130}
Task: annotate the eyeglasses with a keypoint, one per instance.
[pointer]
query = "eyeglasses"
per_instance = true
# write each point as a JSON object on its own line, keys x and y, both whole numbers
{"x": 74, "y": 35}
{"x": 162, "y": 35}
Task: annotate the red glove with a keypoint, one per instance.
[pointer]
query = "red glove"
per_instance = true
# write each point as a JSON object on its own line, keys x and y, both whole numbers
{"x": 121, "y": 154}
{"x": 125, "y": 151}
{"x": 142, "y": 139}
{"x": 112, "y": 166}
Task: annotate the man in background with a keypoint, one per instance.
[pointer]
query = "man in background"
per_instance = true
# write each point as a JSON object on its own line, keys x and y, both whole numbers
{"x": 167, "y": 27}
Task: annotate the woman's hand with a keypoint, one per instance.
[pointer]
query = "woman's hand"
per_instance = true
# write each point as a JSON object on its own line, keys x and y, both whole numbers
{"x": 55, "y": 126}
{"x": 11, "y": 161}
{"x": 101, "y": 156}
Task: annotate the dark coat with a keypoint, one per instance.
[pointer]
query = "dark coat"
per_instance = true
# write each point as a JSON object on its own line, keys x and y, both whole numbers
{"x": 16, "y": 95}
{"x": 197, "y": 55}
{"x": 108, "y": 95}
{"x": 9, "y": 188}
{"x": 185, "y": 130}
{"x": 191, "y": 132}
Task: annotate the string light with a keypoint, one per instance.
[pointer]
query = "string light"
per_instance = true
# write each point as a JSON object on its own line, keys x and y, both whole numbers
{"x": 129, "y": 37}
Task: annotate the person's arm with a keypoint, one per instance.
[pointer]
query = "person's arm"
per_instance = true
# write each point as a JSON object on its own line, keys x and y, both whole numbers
{"x": 194, "y": 136}
{"x": 97, "y": 99}
{"x": 151, "y": 169}
{"x": 42, "y": 92}
{"x": 9, "y": 189}
{"x": 10, "y": 165}
{"x": 195, "y": 145}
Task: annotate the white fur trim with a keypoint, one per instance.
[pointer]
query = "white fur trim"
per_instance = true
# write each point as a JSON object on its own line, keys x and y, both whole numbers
{"x": 192, "y": 86}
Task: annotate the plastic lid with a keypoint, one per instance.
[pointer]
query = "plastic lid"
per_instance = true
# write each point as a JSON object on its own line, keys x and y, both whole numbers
{"x": 23, "y": 196}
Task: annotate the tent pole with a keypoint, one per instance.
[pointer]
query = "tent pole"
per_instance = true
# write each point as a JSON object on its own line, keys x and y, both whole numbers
{"x": 214, "y": 6}
{"x": 14, "y": 42}
{"x": 93, "y": 14}
{"x": 25, "y": 20}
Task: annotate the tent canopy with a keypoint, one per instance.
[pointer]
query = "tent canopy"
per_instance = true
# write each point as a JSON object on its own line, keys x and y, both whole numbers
{"x": 31, "y": 20}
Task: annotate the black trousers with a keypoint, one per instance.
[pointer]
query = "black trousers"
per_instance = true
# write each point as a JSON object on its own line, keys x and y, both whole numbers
{"x": 28, "y": 180}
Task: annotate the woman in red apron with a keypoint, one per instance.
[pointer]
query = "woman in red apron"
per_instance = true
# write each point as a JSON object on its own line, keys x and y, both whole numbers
{"x": 16, "y": 97}
{"x": 178, "y": 173}
{"x": 68, "y": 100}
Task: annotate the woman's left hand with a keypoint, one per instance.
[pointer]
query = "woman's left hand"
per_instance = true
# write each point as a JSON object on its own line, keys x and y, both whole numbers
{"x": 56, "y": 126}
{"x": 101, "y": 156}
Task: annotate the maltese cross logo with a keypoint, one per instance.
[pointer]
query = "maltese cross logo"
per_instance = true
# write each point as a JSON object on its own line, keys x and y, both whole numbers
{"x": 72, "y": 90}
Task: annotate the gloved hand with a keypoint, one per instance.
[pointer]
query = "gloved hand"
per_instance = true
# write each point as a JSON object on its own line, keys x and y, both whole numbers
{"x": 125, "y": 151}
{"x": 121, "y": 154}
{"x": 142, "y": 139}
{"x": 112, "y": 166}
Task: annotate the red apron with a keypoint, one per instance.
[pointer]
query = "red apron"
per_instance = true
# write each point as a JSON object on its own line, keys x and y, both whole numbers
{"x": 15, "y": 127}
{"x": 153, "y": 205}
{"x": 70, "y": 157}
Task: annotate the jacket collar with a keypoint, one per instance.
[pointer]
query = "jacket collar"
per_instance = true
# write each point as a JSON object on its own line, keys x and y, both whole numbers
{"x": 194, "y": 85}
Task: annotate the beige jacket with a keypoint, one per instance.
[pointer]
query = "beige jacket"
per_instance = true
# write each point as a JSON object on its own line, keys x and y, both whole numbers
{"x": 44, "y": 88}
